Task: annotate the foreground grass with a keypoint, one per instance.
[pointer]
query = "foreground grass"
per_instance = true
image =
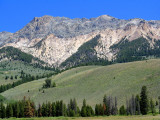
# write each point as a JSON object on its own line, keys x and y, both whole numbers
{"x": 93, "y": 118}
{"x": 92, "y": 82}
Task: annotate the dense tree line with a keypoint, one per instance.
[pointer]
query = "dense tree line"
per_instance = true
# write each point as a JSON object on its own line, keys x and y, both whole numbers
{"x": 27, "y": 108}
{"x": 126, "y": 50}
{"x": 136, "y": 105}
{"x": 135, "y": 50}
{"x": 25, "y": 78}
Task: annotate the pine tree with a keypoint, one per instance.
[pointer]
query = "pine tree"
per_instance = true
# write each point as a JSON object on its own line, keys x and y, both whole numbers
{"x": 96, "y": 110}
{"x": 75, "y": 106}
{"x": 127, "y": 109}
{"x": 65, "y": 110}
{"x": 53, "y": 109}
{"x": 144, "y": 101}
{"x": 101, "y": 110}
{"x": 122, "y": 110}
{"x": 21, "y": 107}
{"x": 17, "y": 110}
{"x": 83, "y": 109}
{"x": 9, "y": 111}
{"x": 133, "y": 105}
{"x": 58, "y": 112}
{"x": 88, "y": 111}
{"x": 44, "y": 110}
{"x": 137, "y": 101}
{"x": 152, "y": 107}
{"x": 109, "y": 104}
{"x": 105, "y": 104}
{"x": 39, "y": 111}
{"x": 49, "y": 109}
{"x": 116, "y": 108}
{"x": 33, "y": 108}
{"x": 28, "y": 109}
{"x": 2, "y": 111}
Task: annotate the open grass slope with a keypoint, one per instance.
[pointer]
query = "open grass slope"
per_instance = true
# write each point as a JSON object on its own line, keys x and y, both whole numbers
{"x": 13, "y": 68}
{"x": 92, "y": 82}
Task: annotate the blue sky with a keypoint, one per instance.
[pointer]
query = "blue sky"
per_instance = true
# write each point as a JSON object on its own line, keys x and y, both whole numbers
{"x": 15, "y": 14}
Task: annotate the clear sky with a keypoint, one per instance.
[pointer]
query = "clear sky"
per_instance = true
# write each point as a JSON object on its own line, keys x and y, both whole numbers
{"x": 15, "y": 14}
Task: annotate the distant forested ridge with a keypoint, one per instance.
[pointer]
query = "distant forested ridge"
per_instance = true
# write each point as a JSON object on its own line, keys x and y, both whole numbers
{"x": 135, "y": 50}
{"x": 12, "y": 53}
{"x": 125, "y": 51}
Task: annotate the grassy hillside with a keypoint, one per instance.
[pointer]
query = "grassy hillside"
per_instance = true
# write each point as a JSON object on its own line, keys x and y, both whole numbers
{"x": 92, "y": 82}
{"x": 13, "y": 68}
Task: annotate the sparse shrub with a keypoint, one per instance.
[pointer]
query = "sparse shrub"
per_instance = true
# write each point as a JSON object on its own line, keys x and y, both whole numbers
{"x": 6, "y": 78}
{"x": 47, "y": 83}
{"x": 53, "y": 84}
{"x": 11, "y": 78}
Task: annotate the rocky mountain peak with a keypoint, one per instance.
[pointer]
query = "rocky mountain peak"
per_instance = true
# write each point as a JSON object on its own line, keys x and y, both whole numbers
{"x": 136, "y": 21}
{"x": 105, "y": 17}
{"x": 55, "y": 39}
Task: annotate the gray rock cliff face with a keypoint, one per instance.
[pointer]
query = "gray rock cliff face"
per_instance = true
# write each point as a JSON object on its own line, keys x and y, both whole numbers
{"x": 3, "y": 36}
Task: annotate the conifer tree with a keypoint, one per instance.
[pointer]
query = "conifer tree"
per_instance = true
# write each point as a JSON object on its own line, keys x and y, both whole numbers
{"x": 58, "y": 112}
{"x": 33, "y": 108}
{"x": 105, "y": 107}
{"x": 44, "y": 111}
{"x": 21, "y": 107}
{"x": 2, "y": 110}
{"x": 53, "y": 109}
{"x": 127, "y": 109}
{"x": 152, "y": 107}
{"x": 39, "y": 111}
{"x": 28, "y": 109}
{"x": 9, "y": 111}
{"x": 144, "y": 101}
{"x": 122, "y": 110}
{"x": 137, "y": 101}
{"x": 17, "y": 110}
{"x": 49, "y": 109}
{"x": 116, "y": 108}
{"x": 75, "y": 106}
{"x": 96, "y": 110}
{"x": 83, "y": 109}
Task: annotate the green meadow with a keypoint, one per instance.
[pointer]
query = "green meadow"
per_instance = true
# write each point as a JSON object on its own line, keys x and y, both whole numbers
{"x": 14, "y": 68}
{"x": 92, "y": 82}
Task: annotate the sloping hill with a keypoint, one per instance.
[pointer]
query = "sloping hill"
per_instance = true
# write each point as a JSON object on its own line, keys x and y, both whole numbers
{"x": 92, "y": 82}
{"x": 11, "y": 53}
{"x": 10, "y": 71}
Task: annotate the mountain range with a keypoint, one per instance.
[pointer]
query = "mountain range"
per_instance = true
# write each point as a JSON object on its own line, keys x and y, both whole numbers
{"x": 65, "y": 42}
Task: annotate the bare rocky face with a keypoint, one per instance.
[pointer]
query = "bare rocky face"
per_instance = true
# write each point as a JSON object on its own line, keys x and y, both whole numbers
{"x": 54, "y": 39}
